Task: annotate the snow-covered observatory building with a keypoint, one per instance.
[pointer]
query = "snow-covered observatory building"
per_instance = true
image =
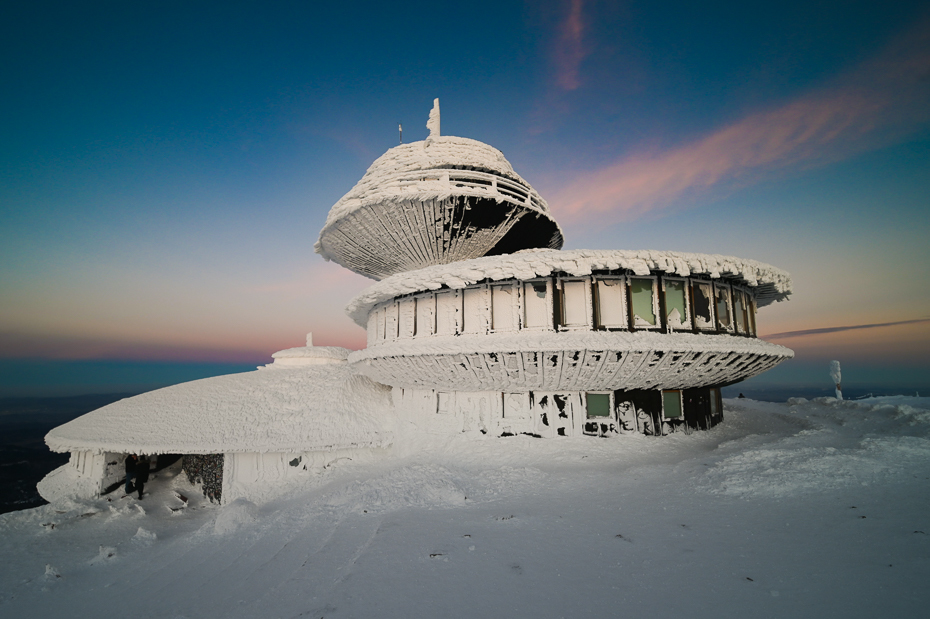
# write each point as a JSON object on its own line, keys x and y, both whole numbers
{"x": 478, "y": 323}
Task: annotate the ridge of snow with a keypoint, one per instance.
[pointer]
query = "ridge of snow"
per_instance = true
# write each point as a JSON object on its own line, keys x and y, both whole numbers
{"x": 292, "y": 410}
{"x": 548, "y": 341}
{"x": 771, "y": 284}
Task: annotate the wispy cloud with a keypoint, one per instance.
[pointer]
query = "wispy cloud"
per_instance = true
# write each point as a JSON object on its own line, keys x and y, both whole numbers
{"x": 875, "y": 104}
{"x": 570, "y": 47}
{"x": 823, "y": 330}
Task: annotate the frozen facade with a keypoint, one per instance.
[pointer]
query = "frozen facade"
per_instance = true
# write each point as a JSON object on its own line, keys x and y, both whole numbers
{"x": 478, "y": 323}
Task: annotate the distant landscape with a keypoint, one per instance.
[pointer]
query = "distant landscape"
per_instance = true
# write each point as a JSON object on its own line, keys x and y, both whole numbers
{"x": 24, "y": 457}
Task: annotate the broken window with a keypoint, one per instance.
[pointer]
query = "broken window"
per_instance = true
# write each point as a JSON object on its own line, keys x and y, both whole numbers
{"x": 643, "y": 302}
{"x": 426, "y": 315}
{"x": 536, "y": 305}
{"x": 598, "y": 404}
{"x": 722, "y": 294}
{"x": 503, "y": 307}
{"x": 476, "y": 316}
{"x": 739, "y": 312}
{"x": 677, "y": 315}
{"x": 702, "y": 299}
{"x": 671, "y": 404}
{"x": 574, "y": 303}
{"x": 610, "y": 306}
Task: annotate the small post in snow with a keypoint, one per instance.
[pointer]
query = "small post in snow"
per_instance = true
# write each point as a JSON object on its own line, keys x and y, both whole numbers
{"x": 837, "y": 378}
{"x": 400, "y": 131}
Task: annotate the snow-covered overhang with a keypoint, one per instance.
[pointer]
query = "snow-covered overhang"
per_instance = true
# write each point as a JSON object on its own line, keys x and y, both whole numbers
{"x": 289, "y": 410}
{"x": 768, "y": 283}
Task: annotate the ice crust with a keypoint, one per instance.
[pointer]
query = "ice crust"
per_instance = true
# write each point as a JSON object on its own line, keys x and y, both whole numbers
{"x": 380, "y": 182}
{"x": 288, "y": 410}
{"x": 771, "y": 284}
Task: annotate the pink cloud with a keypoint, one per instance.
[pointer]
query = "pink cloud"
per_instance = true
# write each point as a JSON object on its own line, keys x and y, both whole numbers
{"x": 570, "y": 49}
{"x": 873, "y": 105}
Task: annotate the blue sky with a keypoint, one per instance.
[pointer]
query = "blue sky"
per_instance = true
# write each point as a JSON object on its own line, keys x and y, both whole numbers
{"x": 165, "y": 168}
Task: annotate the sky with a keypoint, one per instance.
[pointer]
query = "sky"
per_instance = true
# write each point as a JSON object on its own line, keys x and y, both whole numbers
{"x": 165, "y": 168}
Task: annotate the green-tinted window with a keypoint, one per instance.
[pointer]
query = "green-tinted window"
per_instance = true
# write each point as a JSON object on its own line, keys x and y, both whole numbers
{"x": 641, "y": 297}
{"x": 671, "y": 404}
{"x": 676, "y": 311}
{"x": 598, "y": 404}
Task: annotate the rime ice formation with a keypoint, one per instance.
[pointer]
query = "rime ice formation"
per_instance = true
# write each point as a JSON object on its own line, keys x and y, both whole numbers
{"x": 435, "y": 202}
{"x": 479, "y": 324}
{"x": 837, "y": 376}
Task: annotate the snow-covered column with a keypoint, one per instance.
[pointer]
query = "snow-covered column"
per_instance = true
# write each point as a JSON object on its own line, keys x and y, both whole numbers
{"x": 837, "y": 378}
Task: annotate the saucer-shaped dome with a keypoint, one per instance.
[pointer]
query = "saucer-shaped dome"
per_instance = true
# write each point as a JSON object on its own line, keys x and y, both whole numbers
{"x": 437, "y": 201}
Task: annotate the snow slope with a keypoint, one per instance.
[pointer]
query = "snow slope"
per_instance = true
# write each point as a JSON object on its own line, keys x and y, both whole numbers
{"x": 801, "y": 509}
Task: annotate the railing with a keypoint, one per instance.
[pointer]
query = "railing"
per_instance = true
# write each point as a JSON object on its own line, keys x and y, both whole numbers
{"x": 495, "y": 186}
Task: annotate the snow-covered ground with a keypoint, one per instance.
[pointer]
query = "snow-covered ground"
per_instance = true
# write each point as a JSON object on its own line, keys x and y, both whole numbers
{"x": 805, "y": 509}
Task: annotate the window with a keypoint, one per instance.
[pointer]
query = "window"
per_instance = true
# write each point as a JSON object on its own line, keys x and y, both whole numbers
{"x": 503, "y": 307}
{"x": 671, "y": 404}
{"x": 643, "y": 302}
{"x": 724, "y": 321}
{"x": 677, "y": 315}
{"x": 598, "y": 404}
{"x": 739, "y": 312}
{"x": 702, "y": 297}
{"x": 407, "y": 316}
{"x": 516, "y": 405}
{"x": 448, "y": 308}
{"x": 714, "y": 401}
{"x": 444, "y": 403}
{"x": 574, "y": 304}
{"x": 379, "y": 324}
{"x": 426, "y": 315}
{"x": 390, "y": 321}
{"x": 610, "y": 305}
{"x": 752, "y": 315}
{"x": 536, "y": 305}
{"x": 476, "y": 316}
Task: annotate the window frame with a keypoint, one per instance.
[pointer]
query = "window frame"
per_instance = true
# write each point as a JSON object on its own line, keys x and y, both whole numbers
{"x": 482, "y": 293}
{"x": 729, "y": 301}
{"x": 599, "y": 325}
{"x": 712, "y": 302}
{"x": 548, "y": 311}
{"x": 586, "y": 288}
{"x": 420, "y": 326}
{"x": 515, "y": 309}
{"x": 681, "y": 405}
{"x": 405, "y": 330}
{"x": 686, "y": 322}
{"x": 656, "y": 311}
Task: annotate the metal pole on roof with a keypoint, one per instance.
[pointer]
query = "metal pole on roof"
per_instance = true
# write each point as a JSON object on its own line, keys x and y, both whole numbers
{"x": 400, "y": 130}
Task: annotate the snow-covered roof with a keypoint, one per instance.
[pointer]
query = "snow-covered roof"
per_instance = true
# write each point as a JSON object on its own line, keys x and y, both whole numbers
{"x": 298, "y": 409}
{"x": 434, "y": 202}
{"x": 313, "y": 352}
{"x": 388, "y": 176}
{"x": 770, "y": 284}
